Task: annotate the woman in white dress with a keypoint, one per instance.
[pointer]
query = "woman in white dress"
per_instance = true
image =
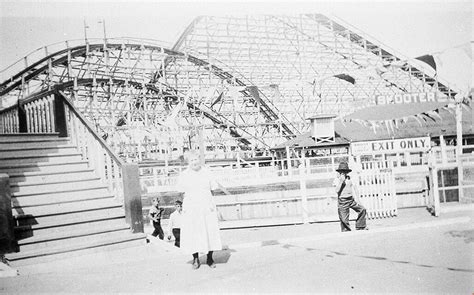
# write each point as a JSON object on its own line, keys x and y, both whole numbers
{"x": 200, "y": 228}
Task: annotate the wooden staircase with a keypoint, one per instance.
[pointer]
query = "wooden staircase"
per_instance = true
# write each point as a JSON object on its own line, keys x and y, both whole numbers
{"x": 60, "y": 205}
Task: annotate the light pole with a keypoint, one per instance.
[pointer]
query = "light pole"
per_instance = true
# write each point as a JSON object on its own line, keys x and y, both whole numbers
{"x": 85, "y": 31}
{"x": 105, "y": 35}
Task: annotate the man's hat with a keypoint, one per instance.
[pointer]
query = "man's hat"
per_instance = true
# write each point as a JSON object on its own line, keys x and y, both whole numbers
{"x": 343, "y": 167}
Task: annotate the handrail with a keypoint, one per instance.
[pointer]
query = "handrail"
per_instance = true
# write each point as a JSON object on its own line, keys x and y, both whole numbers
{"x": 91, "y": 129}
{"x": 12, "y": 107}
{"x": 35, "y": 96}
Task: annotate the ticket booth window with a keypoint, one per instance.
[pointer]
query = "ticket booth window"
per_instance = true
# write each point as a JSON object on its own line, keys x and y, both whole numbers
{"x": 366, "y": 158}
{"x": 340, "y": 159}
{"x": 372, "y": 158}
{"x": 416, "y": 158}
{"x": 448, "y": 182}
{"x": 320, "y": 161}
{"x": 403, "y": 160}
{"x": 392, "y": 159}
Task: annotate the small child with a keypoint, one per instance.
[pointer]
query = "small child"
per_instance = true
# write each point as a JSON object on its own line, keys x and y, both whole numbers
{"x": 174, "y": 225}
{"x": 155, "y": 216}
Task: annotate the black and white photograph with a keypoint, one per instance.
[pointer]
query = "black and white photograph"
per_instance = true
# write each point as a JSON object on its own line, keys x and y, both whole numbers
{"x": 236, "y": 147}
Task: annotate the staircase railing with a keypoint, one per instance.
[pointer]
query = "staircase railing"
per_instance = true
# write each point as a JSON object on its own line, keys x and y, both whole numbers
{"x": 9, "y": 120}
{"x": 94, "y": 149}
{"x": 50, "y": 112}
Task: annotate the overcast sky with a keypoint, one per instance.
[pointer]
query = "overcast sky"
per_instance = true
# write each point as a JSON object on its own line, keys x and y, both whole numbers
{"x": 412, "y": 28}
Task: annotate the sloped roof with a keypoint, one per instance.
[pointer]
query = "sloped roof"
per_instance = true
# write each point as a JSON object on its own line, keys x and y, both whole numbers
{"x": 347, "y": 132}
{"x": 354, "y": 131}
{"x": 394, "y": 111}
{"x": 305, "y": 140}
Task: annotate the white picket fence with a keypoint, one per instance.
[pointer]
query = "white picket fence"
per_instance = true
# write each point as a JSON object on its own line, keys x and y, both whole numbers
{"x": 163, "y": 178}
{"x": 377, "y": 192}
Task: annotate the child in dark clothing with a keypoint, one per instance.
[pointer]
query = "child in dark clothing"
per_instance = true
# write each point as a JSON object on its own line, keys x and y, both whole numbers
{"x": 346, "y": 191}
{"x": 155, "y": 216}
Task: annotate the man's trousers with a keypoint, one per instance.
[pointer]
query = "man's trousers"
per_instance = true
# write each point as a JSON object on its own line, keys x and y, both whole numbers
{"x": 344, "y": 204}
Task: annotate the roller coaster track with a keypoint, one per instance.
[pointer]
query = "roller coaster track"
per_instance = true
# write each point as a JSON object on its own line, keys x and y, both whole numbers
{"x": 219, "y": 122}
{"x": 361, "y": 41}
{"x": 63, "y": 58}
{"x": 296, "y": 61}
{"x": 265, "y": 105}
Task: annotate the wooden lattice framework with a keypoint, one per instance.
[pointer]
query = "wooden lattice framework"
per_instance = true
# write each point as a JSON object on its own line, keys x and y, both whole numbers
{"x": 229, "y": 83}
{"x": 294, "y": 60}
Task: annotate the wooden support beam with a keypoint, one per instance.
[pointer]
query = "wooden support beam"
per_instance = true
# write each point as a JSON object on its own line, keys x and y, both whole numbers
{"x": 60, "y": 116}
{"x": 8, "y": 243}
{"x": 132, "y": 197}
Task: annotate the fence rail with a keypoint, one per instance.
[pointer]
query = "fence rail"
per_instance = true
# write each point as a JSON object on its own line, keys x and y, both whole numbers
{"x": 238, "y": 173}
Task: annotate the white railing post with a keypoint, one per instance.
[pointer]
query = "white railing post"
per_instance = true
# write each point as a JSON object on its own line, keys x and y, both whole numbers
{"x": 436, "y": 204}
{"x": 393, "y": 193}
{"x": 459, "y": 149}
{"x": 444, "y": 159}
{"x": 303, "y": 191}
{"x": 288, "y": 161}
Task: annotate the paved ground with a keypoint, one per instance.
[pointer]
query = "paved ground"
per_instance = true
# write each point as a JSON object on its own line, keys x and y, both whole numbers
{"x": 412, "y": 253}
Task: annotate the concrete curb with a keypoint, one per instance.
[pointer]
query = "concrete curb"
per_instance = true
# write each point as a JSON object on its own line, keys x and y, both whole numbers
{"x": 350, "y": 234}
